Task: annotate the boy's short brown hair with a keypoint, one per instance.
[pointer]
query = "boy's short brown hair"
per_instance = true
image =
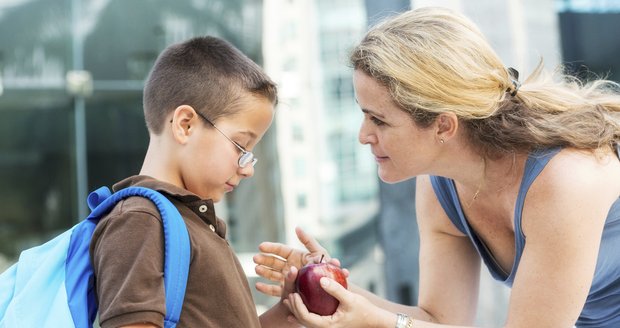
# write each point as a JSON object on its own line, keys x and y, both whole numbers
{"x": 207, "y": 73}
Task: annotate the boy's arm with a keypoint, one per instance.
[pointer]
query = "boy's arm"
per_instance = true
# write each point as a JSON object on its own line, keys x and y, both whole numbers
{"x": 128, "y": 263}
{"x": 277, "y": 315}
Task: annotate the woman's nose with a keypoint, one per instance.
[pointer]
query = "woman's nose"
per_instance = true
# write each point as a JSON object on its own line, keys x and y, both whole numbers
{"x": 366, "y": 137}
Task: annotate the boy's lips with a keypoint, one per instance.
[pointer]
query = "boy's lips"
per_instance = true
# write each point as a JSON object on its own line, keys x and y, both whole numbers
{"x": 230, "y": 186}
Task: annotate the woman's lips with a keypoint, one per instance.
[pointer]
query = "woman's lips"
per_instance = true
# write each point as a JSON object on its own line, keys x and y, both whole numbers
{"x": 380, "y": 159}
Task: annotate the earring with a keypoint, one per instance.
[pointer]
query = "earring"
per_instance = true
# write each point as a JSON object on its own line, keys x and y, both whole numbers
{"x": 441, "y": 141}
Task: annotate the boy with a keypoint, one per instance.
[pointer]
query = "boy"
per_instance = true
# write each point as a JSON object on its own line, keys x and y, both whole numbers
{"x": 206, "y": 105}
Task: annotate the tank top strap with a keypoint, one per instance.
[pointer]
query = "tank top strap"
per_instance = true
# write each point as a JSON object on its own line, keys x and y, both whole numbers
{"x": 448, "y": 198}
{"x": 536, "y": 162}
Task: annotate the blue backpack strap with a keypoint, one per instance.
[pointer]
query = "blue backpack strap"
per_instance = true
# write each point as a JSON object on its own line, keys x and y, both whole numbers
{"x": 79, "y": 281}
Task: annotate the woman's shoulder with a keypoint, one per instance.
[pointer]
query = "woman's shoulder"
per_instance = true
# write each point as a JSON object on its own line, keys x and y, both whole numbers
{"x": 574, "y": 184}
{"x": 581, "y": 169}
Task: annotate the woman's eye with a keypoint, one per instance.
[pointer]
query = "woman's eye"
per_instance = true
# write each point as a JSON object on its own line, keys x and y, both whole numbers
{"x": 376, "y": 121}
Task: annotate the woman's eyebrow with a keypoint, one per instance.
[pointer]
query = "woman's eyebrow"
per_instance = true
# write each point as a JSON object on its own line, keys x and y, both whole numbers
{"x": 373, "y": 113}
{"x": 369, "y": 111}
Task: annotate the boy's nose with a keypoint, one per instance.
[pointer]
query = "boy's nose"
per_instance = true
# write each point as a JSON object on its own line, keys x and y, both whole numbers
{"x": 247, "y": 171}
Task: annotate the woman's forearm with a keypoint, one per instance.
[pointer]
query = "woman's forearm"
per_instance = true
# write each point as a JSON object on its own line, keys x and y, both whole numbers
{"x": 412, "y": 311}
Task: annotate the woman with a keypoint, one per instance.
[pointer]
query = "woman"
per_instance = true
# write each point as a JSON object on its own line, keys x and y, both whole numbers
{"x": 525, "y": 177}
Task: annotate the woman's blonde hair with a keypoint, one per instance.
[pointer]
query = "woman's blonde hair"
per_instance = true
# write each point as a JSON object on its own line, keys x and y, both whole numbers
{"x": 434, "y": 60}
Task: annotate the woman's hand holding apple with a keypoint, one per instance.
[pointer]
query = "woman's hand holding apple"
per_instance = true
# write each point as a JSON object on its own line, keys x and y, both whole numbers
{"x": 276, "y": 260}
{"x": 354, "y": 310}
{"x": 314, "y": 296}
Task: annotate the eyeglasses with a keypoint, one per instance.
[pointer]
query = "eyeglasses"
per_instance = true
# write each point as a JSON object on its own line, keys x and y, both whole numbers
{"x": 247, "y": 157}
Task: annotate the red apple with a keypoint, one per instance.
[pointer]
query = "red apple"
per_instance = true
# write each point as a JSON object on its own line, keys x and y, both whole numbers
{"x": 307, "y": 284}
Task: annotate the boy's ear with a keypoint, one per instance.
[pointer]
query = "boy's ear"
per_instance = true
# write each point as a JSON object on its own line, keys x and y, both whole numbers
{"x": 183, "y": 120}
{"x": 447, "y": 124}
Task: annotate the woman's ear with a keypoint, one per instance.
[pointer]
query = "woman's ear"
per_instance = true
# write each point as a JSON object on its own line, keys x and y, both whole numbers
{"x": 447, "y": 125}
{"x": 183, "y": 120}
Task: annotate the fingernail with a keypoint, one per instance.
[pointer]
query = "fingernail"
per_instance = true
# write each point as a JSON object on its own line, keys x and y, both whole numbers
{"x": 324, "y": 282}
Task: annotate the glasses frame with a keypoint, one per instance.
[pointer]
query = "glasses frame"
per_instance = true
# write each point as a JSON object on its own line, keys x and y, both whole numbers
{"x": 247, "y": 157}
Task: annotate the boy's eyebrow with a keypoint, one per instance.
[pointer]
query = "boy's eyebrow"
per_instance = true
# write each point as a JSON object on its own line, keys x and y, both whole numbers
{"x": 249, "y": 133}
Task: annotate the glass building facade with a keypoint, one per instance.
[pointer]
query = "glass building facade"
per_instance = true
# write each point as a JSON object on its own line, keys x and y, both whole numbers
{"x": 71, "y": 78}
{"x": 589, "y": 47}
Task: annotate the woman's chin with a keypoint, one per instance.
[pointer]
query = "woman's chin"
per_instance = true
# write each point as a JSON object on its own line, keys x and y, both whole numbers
{"x": 391, "y": 178}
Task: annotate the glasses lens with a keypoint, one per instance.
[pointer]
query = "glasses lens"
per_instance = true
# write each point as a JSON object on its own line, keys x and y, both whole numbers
{"x": 247, "y": 158}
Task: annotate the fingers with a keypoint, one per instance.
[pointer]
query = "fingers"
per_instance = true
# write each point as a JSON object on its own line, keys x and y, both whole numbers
{"x": 289, "y": 282}
{"x": 297, "y": 306}
{"x": 309, "y": 242}
{"x": 269, "y": 274}
{"x": 335, "y": 289}
{"x": 299, "y": 310}
{"x": 269, "y": 290}
{"x": 270, "y": 261}
{"x": 334, "y": 261}
{"x": 337, "y": 263}
{"x": 276, "y": 249}
{"x": 271, "y": 268}
{"x": 279, "y": 256}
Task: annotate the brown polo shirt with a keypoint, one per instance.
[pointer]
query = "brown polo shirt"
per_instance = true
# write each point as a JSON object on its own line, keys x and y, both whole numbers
{"x": 127, "y": 256}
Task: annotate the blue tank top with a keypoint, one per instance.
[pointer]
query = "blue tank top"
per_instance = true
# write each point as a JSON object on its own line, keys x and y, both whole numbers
{"x": 602, "y": 307}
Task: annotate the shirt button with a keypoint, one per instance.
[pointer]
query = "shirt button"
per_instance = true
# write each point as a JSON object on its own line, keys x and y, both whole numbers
{"x": 203, "y": 208}
{"x": 212, "y": 227}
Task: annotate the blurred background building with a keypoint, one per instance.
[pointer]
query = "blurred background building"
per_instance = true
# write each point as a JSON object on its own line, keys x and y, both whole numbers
{"x": 71, "y": 78}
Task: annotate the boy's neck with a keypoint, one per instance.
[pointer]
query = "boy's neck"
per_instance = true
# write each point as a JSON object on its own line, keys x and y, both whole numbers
{"x": 158, "y": 162}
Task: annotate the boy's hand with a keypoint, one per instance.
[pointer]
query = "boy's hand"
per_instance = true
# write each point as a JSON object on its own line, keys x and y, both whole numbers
{"x": 276, "y": 260}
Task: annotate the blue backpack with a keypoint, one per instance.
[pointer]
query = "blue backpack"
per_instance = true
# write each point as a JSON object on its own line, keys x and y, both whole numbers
{"x": 52, "y": 284}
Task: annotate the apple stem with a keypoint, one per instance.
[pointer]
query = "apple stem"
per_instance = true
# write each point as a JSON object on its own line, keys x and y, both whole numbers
{"x": 322, "y": 256}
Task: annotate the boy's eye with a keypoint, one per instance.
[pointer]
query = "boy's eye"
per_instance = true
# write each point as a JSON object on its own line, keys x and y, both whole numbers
{"x": 241, "y": 141}
{"x": 241, "y": 144}
{"x": 245, "y": 145}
